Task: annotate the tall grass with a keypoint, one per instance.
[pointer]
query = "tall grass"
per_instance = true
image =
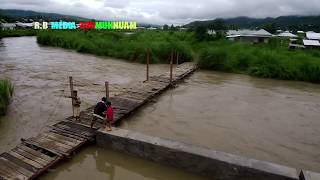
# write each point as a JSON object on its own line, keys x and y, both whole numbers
{"x": 18, "y": 33}
{"x": 273, "y": 60}
{"x": 6, "y": 90}
{"x": 131, "y": 47}
{"x": 264, "y": 60}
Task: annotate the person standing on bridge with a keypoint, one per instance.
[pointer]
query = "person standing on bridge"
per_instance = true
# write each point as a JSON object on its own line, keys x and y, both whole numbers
{"x": 76, "y": 106}
{"x": 99, "y": 111}
{"x": 109, "y": 116}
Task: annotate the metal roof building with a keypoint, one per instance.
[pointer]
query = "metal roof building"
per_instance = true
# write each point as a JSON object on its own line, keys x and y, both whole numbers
{"x": 313, "y": 36}
{"x": 6, "y": 26}
{"x": 287, "y": 34}
{"x": 313, "y": 43}
{"x": 255, "y": 36}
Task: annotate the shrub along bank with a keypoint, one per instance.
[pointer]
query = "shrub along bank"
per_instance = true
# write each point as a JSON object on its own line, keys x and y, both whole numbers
{"x": 121, "y": 45}
{"x": 6, "y": 90}
{"x": 17, "y": 33}
{"x": 264, "y": 60}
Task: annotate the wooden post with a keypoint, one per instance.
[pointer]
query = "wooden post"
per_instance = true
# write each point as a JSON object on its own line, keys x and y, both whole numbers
{"x": 148, "y": 62}
{"x": 71, "y": 90}
{"x": 107, "y": 90}
{"x": 171, "y": 66}
{"x": 177, "y": 58}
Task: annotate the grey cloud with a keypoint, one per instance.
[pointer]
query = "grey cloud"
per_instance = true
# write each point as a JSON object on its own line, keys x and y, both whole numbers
{"x": 169, "y": 11}
{"x": 116, "y": 3}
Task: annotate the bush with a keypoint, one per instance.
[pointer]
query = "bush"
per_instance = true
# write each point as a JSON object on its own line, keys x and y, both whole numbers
{"x": 6, "y": 90}
{"x": 131, "y": 47}
{"x": 261, "y": 60}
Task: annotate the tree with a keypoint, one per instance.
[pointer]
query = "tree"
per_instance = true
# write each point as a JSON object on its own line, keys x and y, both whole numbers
{"x": 165, "y": 27}
{"x": 201, "y": 33}
{"x": 218, "y": 25}
{"x": 172, "y": 28}
{"x": 271, "y": 28}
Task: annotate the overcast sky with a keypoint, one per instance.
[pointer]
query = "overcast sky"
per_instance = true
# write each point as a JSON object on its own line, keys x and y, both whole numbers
{"x": 168, "y": 11}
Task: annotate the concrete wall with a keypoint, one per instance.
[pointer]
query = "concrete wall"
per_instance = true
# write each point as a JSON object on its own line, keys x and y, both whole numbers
{"x": 199, "y": 160}
{"x": 308, "y": 175}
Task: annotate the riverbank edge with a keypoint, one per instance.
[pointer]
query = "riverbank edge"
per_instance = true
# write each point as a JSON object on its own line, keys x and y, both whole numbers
{"x": 17, "y": 33}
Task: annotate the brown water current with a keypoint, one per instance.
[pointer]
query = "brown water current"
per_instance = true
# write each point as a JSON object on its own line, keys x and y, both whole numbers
{"x": 40, "y": 78}
{"x": 270, "y": 120}
{"x": 265, "y": 119}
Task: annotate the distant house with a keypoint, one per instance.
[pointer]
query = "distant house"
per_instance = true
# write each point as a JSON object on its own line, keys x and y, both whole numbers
{"x": 312, "y": 40}
{"x": 311, "y": 43}
{"x": 254, "y": 36}
{"x": 24, "y": 25}
{"x": 287, "y": 34}
{"x": 183, "y": 29}
{"x": 141, "y": 27}
{"x": 8, "y": 26}
{"x": 211, "y": 32}
{"x": 312, "y": 35}
{"x": 152, "y": 28}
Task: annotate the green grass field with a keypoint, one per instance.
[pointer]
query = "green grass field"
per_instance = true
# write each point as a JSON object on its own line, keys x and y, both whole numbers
{"x": 17, "y": 33}
{"x": 130, "y": 47}
{"x": 273, "y": 60}
{"x": 263, "y": 60}
{"x": 6, "y": 90}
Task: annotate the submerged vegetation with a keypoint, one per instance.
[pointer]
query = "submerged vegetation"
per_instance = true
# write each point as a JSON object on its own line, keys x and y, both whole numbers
{"x": 273, "y": 60}
{"x": 6, "y": 90}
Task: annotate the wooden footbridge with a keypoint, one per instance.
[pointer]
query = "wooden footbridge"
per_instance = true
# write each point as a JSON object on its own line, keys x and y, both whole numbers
{"x": 35, "y": 155}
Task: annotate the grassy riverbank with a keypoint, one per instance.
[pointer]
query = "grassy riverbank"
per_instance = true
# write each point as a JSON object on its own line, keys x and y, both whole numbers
{"x": 6, "y": 90}
{"x": 272, "y": 60}
{"x": 131, "y": 47}
{"x": 264, "y": 60}
{"x": 17, "y": 33}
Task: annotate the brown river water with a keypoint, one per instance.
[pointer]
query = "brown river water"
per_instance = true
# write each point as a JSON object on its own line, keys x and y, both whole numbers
{"x": 270, "y": 120}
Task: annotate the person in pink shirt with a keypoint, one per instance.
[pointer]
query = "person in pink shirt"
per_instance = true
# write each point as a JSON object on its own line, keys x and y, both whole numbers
{"x": 109, "y": 116}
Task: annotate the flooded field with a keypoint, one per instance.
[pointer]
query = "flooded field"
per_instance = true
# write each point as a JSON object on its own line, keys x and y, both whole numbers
{"x": 264, "y": 119}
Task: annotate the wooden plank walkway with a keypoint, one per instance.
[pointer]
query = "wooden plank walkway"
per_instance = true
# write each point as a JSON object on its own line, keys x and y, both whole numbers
{"x": 35, "y": 155}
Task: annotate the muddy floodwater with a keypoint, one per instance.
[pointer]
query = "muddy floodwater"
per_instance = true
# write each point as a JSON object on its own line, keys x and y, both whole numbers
{"x": 40, "y": 78}
{"x": 264, "y": 119}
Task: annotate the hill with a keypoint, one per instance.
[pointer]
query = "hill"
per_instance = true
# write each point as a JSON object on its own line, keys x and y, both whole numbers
{"x": 12, "y": 15}
{"x": 294, "y": 23}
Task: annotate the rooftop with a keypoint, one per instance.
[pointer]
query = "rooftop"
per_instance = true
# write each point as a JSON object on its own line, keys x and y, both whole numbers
{"x": 313, "y": 35}
{"x": 311, "y": 43}
{"x": 287, "y": 34}
{"x": 247, "y": 32}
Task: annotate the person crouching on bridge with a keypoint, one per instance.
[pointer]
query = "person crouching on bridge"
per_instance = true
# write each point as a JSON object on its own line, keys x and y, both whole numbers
{"x": 99, "y": 111}
{"x": 109, "y": 116}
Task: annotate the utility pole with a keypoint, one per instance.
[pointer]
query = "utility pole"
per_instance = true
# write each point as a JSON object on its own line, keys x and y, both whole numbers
{"x": 177, "y": 58}
{"x": 171, "y": 66}
{"x": 107, "y": 90}
{"x": 148, "y": 62}
{"x": 71, "y": 90}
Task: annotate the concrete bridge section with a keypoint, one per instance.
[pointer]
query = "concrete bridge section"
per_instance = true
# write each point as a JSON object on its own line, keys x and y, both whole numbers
{"x": 195, "y": 159}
